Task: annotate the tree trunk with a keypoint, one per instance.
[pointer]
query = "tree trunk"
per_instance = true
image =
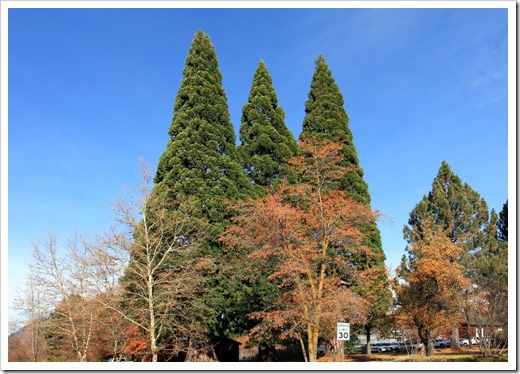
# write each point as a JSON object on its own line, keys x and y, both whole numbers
{"x": 369, "y": 350}
{"x": 455, "y": 342}
{"x": 304, "y": 351}
{"x": 341, "y": 348}
{"x": 430, "y": 349}
{"x": 334, "y": 349}
{"x": 312, "y": 344}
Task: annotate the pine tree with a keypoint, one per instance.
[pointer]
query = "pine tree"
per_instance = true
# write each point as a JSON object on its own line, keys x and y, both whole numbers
{"x": 502, "y": 224}
{"x": 455, "y": 206}
{"x": 326, "y": 118}
{"x": 201, "y": 162}
{"x": 457, "y": 209}
{"x": 267, "y": 143}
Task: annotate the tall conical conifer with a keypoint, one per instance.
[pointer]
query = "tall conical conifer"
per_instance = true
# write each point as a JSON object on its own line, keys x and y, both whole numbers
{"x": 266, "y": 141}
{"x": 201, "y": 158}
{"x": 326, "y": 118}
{"x": 201, "y": 161}
{"x": 266, "y": 146}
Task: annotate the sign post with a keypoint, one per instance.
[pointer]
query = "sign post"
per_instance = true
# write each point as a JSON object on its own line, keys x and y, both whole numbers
{"x": 343, "y": 331}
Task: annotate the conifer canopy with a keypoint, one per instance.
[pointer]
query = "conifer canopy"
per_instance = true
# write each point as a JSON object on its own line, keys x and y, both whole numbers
{"x": 325, "y": 117}
{"x": 201, "y": 159}
{"x": 267, "y": 143}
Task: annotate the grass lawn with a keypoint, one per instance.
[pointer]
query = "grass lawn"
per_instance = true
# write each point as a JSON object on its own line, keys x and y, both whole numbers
{"x": 441, "y": 355}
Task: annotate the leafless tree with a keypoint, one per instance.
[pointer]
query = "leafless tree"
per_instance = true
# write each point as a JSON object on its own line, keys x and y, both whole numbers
{"x": 67, "y": 287}
{"x": 28, "y": 301}
{"x": 159, "y": 241}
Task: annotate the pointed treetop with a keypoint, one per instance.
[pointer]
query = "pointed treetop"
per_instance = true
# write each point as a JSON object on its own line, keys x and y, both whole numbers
{"x": 266, "y": 141}
{"x": 201, "y": 159}
{"x": 325, "y": 114}
{"x": 326, "y": 118}
{"x": 452, "y": 205}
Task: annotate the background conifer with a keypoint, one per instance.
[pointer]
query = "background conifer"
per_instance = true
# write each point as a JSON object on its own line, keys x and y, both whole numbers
{"x": 267, "y": 143}
{"x": 326, "y": 118}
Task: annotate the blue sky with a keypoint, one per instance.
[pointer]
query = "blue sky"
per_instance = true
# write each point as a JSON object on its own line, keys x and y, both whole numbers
{"x": 91, "y": 90}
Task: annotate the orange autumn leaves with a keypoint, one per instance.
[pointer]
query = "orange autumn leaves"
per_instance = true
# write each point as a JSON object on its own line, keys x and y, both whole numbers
{"x": 430, "y": 295}
{"x": 302, "y": 237}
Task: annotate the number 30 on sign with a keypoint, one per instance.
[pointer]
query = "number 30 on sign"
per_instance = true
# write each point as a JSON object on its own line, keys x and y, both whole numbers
{"x": 343, "y": 331}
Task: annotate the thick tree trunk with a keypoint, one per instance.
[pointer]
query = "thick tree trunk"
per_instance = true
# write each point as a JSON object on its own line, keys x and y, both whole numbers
{"x": 455, "y": 342}
{"x": 334, "y": 349}
{"x": 341, "y": 349}
{"x": 430, "y": 349}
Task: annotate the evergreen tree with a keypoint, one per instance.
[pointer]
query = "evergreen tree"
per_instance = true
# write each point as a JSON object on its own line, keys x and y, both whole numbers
{"x": 201, "y": 161}
{"x": 502, "y": 224}
{"x": 201, "y": 158}
{"x": 458, "y": 210}
{"x": 267, "y": 145}
{"x": 454, "y": 206}
{"x": 326, "y": 118}
{"x": 266, "y": 141}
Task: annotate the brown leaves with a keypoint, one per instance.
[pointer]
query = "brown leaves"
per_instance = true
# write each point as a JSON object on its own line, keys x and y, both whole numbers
{"x": 302, "y": 237}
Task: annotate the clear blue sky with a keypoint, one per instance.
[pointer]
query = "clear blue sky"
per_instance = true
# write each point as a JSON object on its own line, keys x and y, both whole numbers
{"x": 90, "y": 90}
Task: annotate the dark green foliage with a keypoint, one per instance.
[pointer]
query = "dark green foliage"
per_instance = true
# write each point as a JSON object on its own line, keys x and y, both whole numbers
{"x": 454, "y": 206}
{"x": 201, "y": 159}
{"x": 326, "y": 118}
{"x": 464, "y": 218}
{"x": 267, "y": 143}
{"x": 502, "y": 224}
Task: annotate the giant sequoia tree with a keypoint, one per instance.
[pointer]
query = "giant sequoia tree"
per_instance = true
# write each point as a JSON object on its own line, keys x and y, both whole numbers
{"x": 201, "y": 161}
{"x": 267, "y": 143}
{"x": 326, "y": 118}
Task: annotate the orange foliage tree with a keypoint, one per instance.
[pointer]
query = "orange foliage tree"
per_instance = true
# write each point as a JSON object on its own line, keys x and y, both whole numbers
{"x": 303, "y": 237}
{"x": 429, "y": 283}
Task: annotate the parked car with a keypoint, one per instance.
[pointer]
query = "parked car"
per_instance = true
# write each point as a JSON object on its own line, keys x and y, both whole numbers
{"x": 389, "y": 347}
{"x": 374, "y": 348}
{"x": 442, "y": 343}
{"x": 380, "y": 346}
{"x": 464, "y": 342}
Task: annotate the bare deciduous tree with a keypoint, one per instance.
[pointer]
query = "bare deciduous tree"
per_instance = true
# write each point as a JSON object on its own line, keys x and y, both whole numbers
{"x": 65, "y": 280}
{"x": 29, "y": 301}
{"x": 159, "y": 240}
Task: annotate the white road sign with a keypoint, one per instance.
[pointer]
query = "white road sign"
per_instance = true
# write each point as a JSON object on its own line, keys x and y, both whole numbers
{"x": 343, "y": 330}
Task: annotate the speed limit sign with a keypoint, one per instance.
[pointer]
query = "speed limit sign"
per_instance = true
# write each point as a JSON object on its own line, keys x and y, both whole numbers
{"x": 343, "y": 330}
